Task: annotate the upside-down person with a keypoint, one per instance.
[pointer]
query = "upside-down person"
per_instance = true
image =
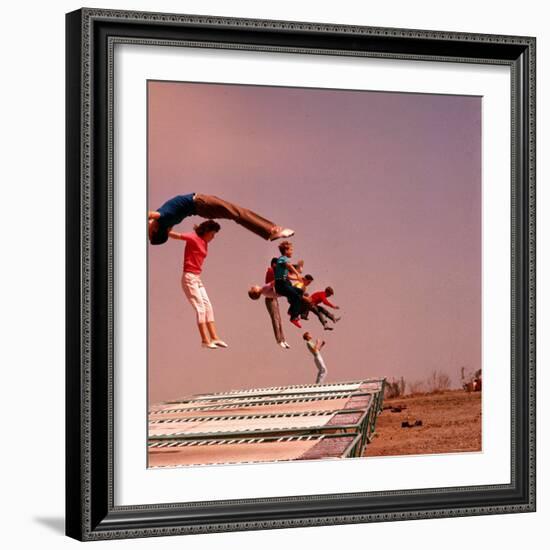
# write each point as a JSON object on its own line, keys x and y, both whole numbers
{"x": 196, "y": 250}
{"x": 180, "y": 207}
{"x": 272, "y": 305}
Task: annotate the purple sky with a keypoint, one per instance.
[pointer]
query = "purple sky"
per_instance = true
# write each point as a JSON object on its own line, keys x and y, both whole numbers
{"x": 384, "y": 193}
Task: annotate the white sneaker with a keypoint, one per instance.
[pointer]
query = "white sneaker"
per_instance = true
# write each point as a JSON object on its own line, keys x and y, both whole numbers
{"x": 281, "y": 233}
{"x": 220, "y": 344}
{"x": 285, "y": 345}
{"x": 209, "y": 345}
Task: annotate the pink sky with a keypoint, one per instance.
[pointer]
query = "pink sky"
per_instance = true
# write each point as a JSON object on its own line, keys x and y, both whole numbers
{"x": 384, "y": 193}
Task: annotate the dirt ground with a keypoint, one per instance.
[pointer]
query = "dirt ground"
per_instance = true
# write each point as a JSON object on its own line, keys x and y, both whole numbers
{"x": 451, "y": 422}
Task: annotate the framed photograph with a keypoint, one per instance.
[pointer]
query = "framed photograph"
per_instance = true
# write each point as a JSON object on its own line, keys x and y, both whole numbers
{"x": 300, "y": 274}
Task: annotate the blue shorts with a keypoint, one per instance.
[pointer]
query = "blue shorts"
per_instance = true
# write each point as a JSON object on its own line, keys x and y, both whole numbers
{"x": 175, "y": 210}
{"x": 171, "y": 213}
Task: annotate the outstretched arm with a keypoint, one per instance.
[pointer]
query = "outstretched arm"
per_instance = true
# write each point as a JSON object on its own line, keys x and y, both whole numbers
{"x": 327, "y": 303}
{"x": 292, "y": 269}
{"x": 179, "y": 236}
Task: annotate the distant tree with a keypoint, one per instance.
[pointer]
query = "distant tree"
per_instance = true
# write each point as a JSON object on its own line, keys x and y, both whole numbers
{"x": 402, "y": 386}
{"x": 394, "y": 388}
{"x": 443, "y": 381}
{"x": 438, "y": 381}
{"x": 417, "y": 387}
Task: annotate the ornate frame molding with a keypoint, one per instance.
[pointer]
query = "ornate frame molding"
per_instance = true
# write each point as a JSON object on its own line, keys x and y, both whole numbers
{"x": 91, "y": 36}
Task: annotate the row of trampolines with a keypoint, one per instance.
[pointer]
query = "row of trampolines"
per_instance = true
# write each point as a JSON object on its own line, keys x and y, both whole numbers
{"x": 300, "y": 422}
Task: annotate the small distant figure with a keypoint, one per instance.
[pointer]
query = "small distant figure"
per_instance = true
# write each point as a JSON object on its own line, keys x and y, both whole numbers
{"x": 284, "y": 287}
{"x": 176, "y": 209}
{"x": 272, "y": 305}
{"x": 196, "y": 250}
{"x": 315, "y": 349}
{"x": 477, "y": 380}
{"x": 314, "y": 305}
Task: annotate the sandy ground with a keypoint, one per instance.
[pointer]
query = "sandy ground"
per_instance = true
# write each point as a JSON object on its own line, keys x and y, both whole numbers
{"x": 451, "y": 422}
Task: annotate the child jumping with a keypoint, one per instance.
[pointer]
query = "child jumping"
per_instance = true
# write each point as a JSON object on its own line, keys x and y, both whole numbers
{"x": 196, "y": 250}
{"x": 297, "y": 280}
{"x": 321, "y": 297}
{"x": 284, "y": 287}
{"x": 315, "y": 349}
{"x": 176, "y": 209}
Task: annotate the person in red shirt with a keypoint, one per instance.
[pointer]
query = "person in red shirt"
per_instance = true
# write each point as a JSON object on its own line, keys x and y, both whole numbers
{"x": 196, "y": 250}
{"x": 314, "y": 304}
{"x": 270, "y": 273}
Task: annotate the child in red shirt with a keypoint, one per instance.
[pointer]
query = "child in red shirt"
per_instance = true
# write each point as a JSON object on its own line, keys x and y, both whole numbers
{"x": 270, "y": 273}
{"x": 196, "y": 250}
{"x": 321, "y": 297}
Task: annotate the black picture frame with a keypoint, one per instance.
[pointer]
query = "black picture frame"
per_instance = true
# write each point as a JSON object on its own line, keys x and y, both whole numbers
{"x": 90, "y": 510}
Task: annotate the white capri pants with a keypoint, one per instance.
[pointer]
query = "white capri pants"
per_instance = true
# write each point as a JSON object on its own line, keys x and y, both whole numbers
{"x": 196, "y": 294}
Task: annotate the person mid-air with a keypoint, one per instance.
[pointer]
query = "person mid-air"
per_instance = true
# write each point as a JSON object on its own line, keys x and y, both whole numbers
{"x": 180, "y": 207}
{"x": 196, "y": 250}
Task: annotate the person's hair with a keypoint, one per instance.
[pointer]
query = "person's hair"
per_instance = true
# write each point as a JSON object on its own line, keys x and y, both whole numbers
{"x": 329, "y": 291}
{"x": 206, "y": 227}
{"x": 284, "y": 246}
{"x": 273, "y": 261}
{"x": 254, "y": 293}
{"x": 308, "y": 277}
{"x": 157, "y": 234}
{"x": 306, "y": 334}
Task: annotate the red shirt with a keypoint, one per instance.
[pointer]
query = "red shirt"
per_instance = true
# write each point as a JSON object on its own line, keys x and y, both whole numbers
{"x": 196, "y": 249}
{"x": 269, "y": 275}
{"x": 318, "y": 297}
